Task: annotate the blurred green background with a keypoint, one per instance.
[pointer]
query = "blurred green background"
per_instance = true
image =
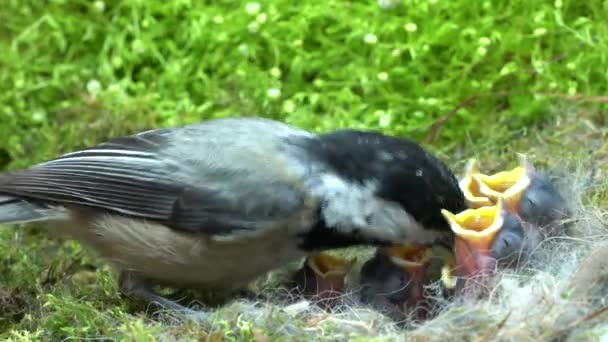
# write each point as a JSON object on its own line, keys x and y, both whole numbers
{"x": 460, "y": 76}
{"x": 74, "y": 72}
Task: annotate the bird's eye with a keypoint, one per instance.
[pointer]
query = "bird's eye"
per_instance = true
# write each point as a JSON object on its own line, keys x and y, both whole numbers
{"x": 509, "y": 242}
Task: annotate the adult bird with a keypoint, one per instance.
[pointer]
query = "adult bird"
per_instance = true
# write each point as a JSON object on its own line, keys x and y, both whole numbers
{"x": 216, "y": 204}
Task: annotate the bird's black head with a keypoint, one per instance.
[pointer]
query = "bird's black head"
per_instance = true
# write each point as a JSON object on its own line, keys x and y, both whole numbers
{"x": 401, "y": 171}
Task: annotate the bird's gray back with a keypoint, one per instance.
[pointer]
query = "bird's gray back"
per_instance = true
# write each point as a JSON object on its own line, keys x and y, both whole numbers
{"x": 243, "y": 150}
{"x": 217, "y": 177}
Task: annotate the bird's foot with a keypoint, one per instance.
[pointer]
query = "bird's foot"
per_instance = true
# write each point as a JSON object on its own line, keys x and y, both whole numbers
{"x": 135, "y": 286}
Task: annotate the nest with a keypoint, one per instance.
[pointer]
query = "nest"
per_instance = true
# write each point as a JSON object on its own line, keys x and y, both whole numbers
{"x": 559, "y": 294}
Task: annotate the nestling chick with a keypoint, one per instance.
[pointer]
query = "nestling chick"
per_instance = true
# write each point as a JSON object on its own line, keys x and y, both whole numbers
{"x": 513, "y": 212}
{"x": 528, "y": 193}
{"x": 323, "y": 278}
{"x": 393, "y": 280}
{"x": 486, "y": 238}
{"x": 217, "y": 204}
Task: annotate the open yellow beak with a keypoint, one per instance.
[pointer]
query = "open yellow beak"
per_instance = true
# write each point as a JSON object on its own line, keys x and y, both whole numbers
{"x": 470, "y": 187}
{"x": 326, "y": 265}
{"x": 477, "y": 226}
{"x": 409, "y": 257}
{"x": 323, "y": 275}
{"x": 475, "y": 230}
{"x": 414, "y": 260}
{"x": 509, "y": 185}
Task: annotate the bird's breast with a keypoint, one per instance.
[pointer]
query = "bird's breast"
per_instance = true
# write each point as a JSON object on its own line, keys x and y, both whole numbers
{"x": 179, "y": 259}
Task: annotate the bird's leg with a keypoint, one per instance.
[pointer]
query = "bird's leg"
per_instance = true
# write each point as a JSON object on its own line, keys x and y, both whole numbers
{"x": 134, "y": 286}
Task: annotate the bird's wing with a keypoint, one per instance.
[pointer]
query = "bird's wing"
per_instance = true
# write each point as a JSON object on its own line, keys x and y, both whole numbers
{"x": 200, "y": 178}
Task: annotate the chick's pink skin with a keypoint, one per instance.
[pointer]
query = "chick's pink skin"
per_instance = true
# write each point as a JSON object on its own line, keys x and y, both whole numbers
{"x": 473, "y": 261}
{"x": 476, "y": 230}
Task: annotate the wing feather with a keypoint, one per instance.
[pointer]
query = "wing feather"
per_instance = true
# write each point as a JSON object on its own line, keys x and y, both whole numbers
{"x": 136, "y": 176}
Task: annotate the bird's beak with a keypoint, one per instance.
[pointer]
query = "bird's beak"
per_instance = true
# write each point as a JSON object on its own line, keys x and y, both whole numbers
{"x": 329, "y": 272}
{"x": 510, "y": 185}
{"x": 411, "y": 258}
{"x": 475, "y": 231}
{"x": 414, "y": 260}
{"x": 470, "y": 187}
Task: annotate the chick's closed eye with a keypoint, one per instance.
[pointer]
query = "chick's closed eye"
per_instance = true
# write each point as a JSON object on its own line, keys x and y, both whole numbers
{"x": 509, "y": 243}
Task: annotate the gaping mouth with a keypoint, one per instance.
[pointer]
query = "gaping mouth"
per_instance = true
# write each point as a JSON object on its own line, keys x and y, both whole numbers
{"x": 409, "y": 257}
{"x": 326, "y": 265}
{"x": 414, "y": 261}
{"x": 323, "y": 277}
{"x": 477, "y": 226}
{"x": 493, "y": 229}
{"x": 484, "y": 190}
{"x": 475, "y": 230}
{"x": 470, "y": 187}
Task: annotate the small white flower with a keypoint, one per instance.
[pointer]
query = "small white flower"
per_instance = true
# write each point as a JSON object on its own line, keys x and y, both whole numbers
{"x": 275, "y": 72}
{"x": 411, "y": 27}
{"x": 384, "y": 119}
{"x": 388, "y": 4}
{"x": 116, "y": 61}
{"x": 484, "y": 41}
{"x": 418, "y": 114}
{"x": 507, "y": 69}
{"x": 370, "y": 38}
{"x": 541, "y": 31}
{"x": 252, "y": 8}
{"x": 558, "y": 3}
{"x": 261, "y": 18}
{"x": 39, "y": 116}
{"x": 289, "y": 106}
{"x": 432, "y": 101}
{"x": 138, "y": 46}
{"x": 253, "y": 27}
{"x": 538, "y": 66}
{"x": 469, "y": 32}
{"x": 273, "y": 93}
{"x": 243, "y": 49}
{"x": 99, "y": 6}
{"x": 93, "y": 87}
{"x": 382, "y": 76}
{"x": 539, "y": 17}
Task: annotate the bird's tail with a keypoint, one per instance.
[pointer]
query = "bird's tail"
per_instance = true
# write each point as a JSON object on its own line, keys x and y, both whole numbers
{"x": 17, "y": 210}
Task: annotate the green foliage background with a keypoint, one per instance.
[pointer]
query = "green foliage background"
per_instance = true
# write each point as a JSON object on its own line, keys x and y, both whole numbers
{"x": 75, "y": 72}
